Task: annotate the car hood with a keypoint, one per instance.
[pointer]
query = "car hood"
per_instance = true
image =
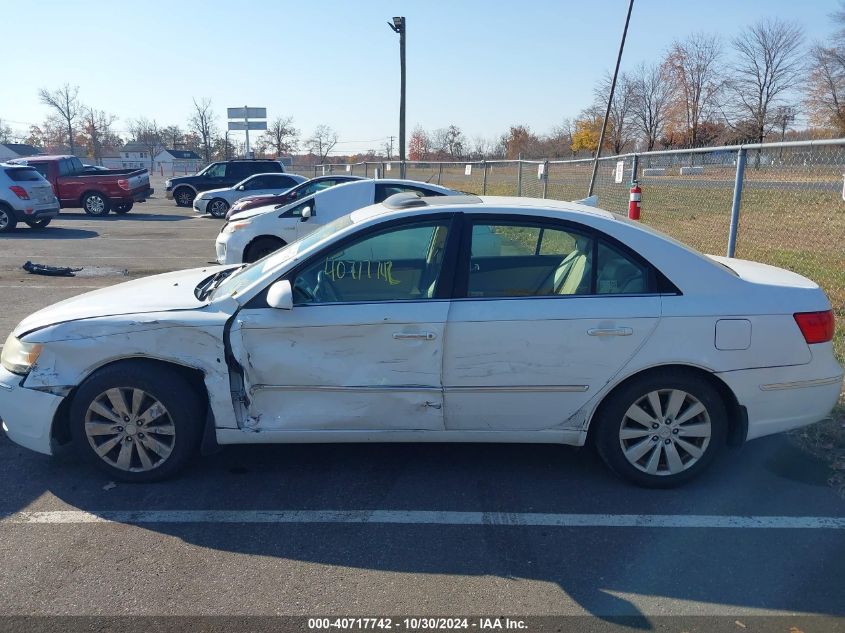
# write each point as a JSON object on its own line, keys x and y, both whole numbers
{"x": 159, "y": 293}
{"x": 208, "y": 193}
{"x": 251, "y": 213}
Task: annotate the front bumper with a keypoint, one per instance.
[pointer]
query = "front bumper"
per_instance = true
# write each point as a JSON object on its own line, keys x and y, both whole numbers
{"x": 200, "y": 205}
{"x": 27, "y": 414}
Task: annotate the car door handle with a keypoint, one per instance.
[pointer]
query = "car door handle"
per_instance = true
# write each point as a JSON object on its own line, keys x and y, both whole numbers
{"x": 412, "y": 336}
{"x": 615, "y": 331}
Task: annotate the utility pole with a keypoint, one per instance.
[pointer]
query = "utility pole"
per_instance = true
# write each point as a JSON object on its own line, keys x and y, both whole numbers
{"x": 390, "y": 148}
{"x": 398, "y": 26}
{"x": 609, "y": 101}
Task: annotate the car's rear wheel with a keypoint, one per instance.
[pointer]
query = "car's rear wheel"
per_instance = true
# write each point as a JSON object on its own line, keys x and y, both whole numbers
{"x": 261, "y": 247}
{"x": 136, "y": 421}
{"x": 184, "y": 196}
{"x": 661, "y": 429}
{"x": 38, "y": 224}
{"x": 122, "y": 208}
{"x": 218, "y": 207}
{"x": 96, "y": 204}
{"x": 8, "y": 221}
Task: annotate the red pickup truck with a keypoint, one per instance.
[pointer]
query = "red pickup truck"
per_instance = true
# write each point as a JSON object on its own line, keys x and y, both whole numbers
{"x": 97, "y": 192}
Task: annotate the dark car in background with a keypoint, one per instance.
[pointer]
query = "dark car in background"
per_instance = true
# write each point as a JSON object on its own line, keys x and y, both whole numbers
{"x": 300, "y": 191}
{"x": 226, "y": 173}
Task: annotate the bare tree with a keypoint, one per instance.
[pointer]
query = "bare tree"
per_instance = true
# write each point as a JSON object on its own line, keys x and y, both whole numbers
{"x": 96, "y": 125}
{"x": 148, "y": 134}
{"x": 768, "y": 65}
{"x": 697, "y": 83}
{"x": 64, "y": 102}
{"x": 449, "y": 142}
{"x": 202, "y": 124}
{"x": 651, "y": 95}
{"x": 322, "y": 141}
{"x": 5, "y": 133}
{"x": 282, "y": 136}
{"x": 619, "y": 126}
{"x": 825, "y": 98}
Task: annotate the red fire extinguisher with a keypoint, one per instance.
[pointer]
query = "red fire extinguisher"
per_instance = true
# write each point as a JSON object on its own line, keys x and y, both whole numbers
{"x": 634, "y": 202}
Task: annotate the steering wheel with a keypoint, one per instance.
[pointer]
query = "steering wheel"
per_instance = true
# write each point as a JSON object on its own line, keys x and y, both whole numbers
{"x": 302, "y": 291}
{"x": 325, "y": 290}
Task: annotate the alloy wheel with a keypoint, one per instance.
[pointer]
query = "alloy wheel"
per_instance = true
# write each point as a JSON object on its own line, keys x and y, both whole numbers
{"x": 130, "y": 429}
{"x": 665, "y": 432}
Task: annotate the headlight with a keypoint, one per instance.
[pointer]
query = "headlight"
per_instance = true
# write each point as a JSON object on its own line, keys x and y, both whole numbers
{"x": 167, "y": 184}
{"x": 19, "y": 357}
{"x": 235, "y": 226}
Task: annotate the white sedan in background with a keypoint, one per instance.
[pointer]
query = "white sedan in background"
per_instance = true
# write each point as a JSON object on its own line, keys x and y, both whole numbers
{"x": 385, "y": 326}
{"x": 217, "y": 201}
{"x": 253, "y": 234}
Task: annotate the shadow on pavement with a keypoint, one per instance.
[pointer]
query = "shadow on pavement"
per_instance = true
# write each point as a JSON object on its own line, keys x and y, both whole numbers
{"x": 598, "y": 568}
{"x": 49, "y": 233}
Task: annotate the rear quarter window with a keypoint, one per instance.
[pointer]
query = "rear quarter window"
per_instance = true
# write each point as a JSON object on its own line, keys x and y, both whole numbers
{"x": 24, "y": 174}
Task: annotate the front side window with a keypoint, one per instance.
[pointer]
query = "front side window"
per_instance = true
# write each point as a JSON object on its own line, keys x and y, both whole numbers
{"x": 217, "y": 170}
{"x": 397, "y": 264}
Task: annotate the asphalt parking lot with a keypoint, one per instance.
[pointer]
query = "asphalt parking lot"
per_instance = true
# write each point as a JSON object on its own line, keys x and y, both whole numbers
{"x": 389, "y": 529}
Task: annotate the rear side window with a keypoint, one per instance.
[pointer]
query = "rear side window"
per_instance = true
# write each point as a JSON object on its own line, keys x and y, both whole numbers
{"x": 262, "y": 168}
{"x": 24, "y": 174}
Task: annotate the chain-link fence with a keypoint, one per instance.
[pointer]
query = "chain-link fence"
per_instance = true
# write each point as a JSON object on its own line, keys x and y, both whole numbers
{"x": 789, "y": 210}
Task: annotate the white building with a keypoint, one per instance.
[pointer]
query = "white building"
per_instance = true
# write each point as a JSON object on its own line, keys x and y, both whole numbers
{"x": 177, "y": 162}
{"x": 8, "y": 151}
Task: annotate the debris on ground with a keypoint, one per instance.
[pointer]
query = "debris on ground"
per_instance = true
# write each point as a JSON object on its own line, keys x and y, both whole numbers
{"x": 110, "y": 485}
{"x": 50, "y": 271}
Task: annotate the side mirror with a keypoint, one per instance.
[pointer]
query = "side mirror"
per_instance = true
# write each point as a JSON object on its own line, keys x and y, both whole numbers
{"x": 306, "y": 213}
{"x": 280, "y": 295}
{"x": 241, "y": 188}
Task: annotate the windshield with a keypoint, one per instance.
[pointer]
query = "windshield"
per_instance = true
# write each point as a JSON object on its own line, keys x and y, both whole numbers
{"x": 249, "y": 274}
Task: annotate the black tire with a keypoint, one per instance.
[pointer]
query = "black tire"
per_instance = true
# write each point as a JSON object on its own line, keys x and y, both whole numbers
{"x": 261, "y": 247}
{"x": 8, "y": 221}
{"x": 184, "y": 196}
{"x": 122, "y": 208}
{"x": 184, "y": 410}
{"x": 38, "y": 224}
{"x": 612, "y": 420}
{"x": 96, "y": 204}
{"x": 218, "y": 207}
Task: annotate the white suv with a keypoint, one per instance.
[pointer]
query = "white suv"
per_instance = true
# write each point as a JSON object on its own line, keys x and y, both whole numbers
{"x": 25, "y": 196}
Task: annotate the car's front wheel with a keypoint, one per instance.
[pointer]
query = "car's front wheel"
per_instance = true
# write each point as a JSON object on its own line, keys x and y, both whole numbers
{"x": 136, "y": 421}
{"x": 184, "y": 196}
{"x": 218, "y": 207}
{"x": 261, "y": 247}
{"x": 661, "y": 429}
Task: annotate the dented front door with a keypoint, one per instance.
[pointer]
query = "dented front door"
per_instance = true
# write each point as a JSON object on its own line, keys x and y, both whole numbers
{"x": 358, "y": 367}
{"x": 362, "y": 348}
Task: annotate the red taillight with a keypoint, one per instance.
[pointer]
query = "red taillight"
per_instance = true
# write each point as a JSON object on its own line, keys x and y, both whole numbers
{"x": 123, "y": 183}
{"x": 817, "y": 327}
{"x": 20, "y": 192}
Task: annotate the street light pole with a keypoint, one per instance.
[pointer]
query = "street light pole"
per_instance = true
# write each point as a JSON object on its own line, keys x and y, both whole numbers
{"x": 398, "y": 26}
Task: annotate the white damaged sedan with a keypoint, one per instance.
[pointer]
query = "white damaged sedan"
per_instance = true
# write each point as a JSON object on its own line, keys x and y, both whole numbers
{"x": 387, "y": 325}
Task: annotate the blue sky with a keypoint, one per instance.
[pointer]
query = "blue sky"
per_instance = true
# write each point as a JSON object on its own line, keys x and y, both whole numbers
{"x": 482, "y": 65}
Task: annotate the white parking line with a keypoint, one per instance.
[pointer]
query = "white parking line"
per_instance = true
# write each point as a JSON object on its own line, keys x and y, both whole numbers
{"x": 424, "y": 517}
